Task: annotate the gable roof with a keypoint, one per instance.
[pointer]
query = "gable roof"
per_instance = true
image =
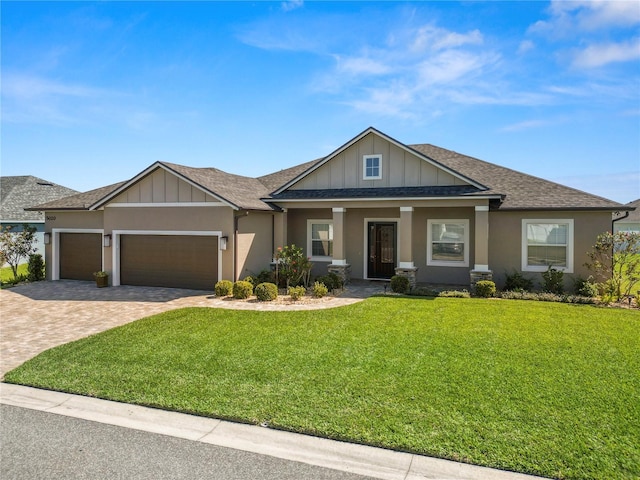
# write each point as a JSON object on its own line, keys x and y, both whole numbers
{"x": 508, "y": 189}
{"x": 236, "y": 191}
{"x": 386, "y": 137}
{"x": 20, "y": 192}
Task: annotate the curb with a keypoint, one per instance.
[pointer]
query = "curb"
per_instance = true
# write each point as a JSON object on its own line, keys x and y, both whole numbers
{"x": 359, "y": 459}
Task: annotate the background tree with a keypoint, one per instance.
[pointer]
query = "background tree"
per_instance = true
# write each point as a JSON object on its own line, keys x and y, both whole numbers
{"x": 15, "y": 247}
{"x": 615, "y": 262}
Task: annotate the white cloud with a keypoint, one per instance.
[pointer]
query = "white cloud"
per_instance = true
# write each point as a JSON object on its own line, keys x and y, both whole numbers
{"x": 598, "y": 55}
{"x": 526, "y": 125}
{"x": 431, "y": 38}
{"x": 360, "y": 66}
{"x": 292, "y": 5}
{"x": 525, "y": 46}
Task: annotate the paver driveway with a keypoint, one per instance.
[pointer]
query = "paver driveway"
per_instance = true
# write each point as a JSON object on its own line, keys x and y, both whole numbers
{"x": 37, "y": 316}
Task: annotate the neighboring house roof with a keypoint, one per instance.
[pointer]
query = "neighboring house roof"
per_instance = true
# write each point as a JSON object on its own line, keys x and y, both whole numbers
{"x": 511, "y": 190}
{"x": 20, "y": 192}
{"x": 633, "y": 217}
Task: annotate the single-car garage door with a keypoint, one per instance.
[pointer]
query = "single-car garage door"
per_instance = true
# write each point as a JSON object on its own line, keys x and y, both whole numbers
{"x": 169, "y": 261}
{"x": 80, "y": 255}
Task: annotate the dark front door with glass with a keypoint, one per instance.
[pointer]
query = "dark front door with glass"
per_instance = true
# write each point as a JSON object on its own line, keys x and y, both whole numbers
{"x": 382, "y": 250}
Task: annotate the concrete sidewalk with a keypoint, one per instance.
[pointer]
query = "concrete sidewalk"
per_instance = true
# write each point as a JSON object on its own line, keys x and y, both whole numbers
{"x": 359, "y": 459}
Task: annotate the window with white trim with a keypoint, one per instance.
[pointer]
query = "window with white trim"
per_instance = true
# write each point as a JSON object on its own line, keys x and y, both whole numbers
{"x": 320, "y": 239}
{"x": 547, "y": 243}
{"x": 372, "y": 167}
{"x": 448, "y": 242}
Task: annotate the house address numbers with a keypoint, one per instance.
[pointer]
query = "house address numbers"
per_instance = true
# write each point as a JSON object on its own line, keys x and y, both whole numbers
{"x": 51, "y": 217}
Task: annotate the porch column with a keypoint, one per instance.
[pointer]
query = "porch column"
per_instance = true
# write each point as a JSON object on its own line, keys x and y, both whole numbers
{"x": 481, "y": 266}
{"x": 482, "y": 239}
{"x": 406, "y": 267}
{"x": 279, "y": 231}
{"x": 339, "y": 264}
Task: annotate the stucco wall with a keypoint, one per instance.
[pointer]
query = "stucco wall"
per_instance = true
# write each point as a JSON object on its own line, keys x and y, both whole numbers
{"x": 505, "y": 246}
{"x": 255, "y": 243}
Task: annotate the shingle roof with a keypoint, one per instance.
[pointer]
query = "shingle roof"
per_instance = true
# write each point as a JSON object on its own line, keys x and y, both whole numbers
{"x": 243, "y": 192}
{"x": 20, "y": 192}
{"x": 80, "y": 201}
{"x": 522, "y": 191}
{"x": 382, "y": 192}
{"x": 634, "y": 216}
{"x": 518, "y": 190}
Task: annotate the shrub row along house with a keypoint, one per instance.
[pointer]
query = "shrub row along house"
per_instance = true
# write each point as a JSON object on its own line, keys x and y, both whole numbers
{"x": 372, "y": 209}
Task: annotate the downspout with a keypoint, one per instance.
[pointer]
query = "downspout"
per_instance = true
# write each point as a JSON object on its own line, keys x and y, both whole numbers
{"x": 236, "y": 219}
{"x": 626, "y": 214}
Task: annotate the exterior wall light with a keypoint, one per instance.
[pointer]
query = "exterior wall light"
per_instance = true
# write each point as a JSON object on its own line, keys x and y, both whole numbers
{"x": 47, "y": 238}
{"x": 223, "y": 242}
{"x": 106, "y": 240}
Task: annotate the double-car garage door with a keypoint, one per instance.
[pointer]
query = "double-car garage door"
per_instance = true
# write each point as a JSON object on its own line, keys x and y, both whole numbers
{"x": 169, "y": 261}
{"x": 178, "y": 261}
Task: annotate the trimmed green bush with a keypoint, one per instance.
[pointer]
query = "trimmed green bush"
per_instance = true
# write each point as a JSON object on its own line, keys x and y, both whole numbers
{"x": 553, "y": 281}
{"x": 296, "y": 293}
{"x": 516, "y": 282}
{"x": 251, "y": 280}
{"x": 485, "y": 288}
{"x": 265, "y": 292}
{"x": 35, "y": 268}
{"x": 455, "y": 294}
{"x": 331, "y": 280}
{"x": 265, "y": 276}
{"x": 586, "y": 288}
{"x": 320, "y": 290}
{"x": 242, "y": 290}
{"x": 399, "y": 284}
{"x": 224, "y": 288}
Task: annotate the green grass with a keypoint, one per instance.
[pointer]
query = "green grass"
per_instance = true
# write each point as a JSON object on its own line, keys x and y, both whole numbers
{"x": 6, "y": 273}
{"x": 543, "y": 388}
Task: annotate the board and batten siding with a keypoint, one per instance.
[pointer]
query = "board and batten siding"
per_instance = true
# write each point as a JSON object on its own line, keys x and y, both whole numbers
{"x": 161, "y": 186}
{"x": 400, "y": 168}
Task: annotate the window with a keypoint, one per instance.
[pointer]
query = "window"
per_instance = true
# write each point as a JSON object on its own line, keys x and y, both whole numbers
{"x": 547, "y": 243}
{"x": 372, "y": 167}
{"x": 320, "y": 239}
{"x": 448, "y": 243}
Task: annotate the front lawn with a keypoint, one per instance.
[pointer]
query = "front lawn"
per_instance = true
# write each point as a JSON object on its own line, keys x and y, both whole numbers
{"x": 543, "y": 388}
{"x": 6, "y": 274}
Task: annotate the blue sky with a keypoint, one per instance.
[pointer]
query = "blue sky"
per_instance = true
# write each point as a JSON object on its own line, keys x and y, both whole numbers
{"x": 95, "y": 92}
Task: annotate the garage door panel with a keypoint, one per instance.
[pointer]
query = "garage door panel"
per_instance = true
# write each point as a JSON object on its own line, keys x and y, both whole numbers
{"x": 169, "y": 261}
{"x": 80, "y": 255}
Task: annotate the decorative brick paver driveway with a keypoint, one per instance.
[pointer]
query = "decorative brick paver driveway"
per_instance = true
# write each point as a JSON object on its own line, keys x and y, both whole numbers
{"x": 37, "y": 316}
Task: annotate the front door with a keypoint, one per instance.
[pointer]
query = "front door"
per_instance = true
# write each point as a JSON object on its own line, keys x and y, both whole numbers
{"x": 382, "y": 250}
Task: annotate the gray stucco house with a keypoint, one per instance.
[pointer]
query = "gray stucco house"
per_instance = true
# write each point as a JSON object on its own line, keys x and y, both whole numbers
{"x": 20, "y": 192}
{"x": 371, "y": 209}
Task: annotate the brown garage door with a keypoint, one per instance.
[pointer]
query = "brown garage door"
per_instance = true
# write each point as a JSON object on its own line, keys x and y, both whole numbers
{"x": 80, "y": 255}
{"x": 169, "y": 261}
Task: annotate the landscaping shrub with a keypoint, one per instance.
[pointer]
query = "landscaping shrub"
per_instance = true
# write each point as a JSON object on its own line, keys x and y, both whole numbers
{"x": 331, "y": 280}
{"x": 548, "y": 297}
{"x": 293, "y": 268}
{"x": 320, "y": 290}
{"x": 296, "y": 293}
{"x": 586, "y": 288}
{"x": 35, "y": 268}
{"x": 399, "y": 284}
{"x": 516, "y": 282}
{"x": 242, "y": 290}
{"x": 265, "y": 292}
{"x": 423, "y": 292}
{"x": 553, "y": 281}
{"x": 485, "y": 288}
{"x": 224, "y": 288}
{"x": 265, "y": 276}
{"x": 455, "y": 294}
{"x": 251, "y": 280}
